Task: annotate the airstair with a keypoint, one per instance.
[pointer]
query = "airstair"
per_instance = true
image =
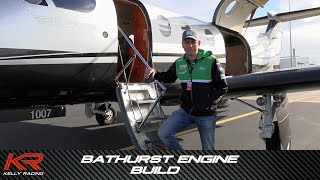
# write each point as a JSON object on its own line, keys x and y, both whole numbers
{"x": 140, "y": 106}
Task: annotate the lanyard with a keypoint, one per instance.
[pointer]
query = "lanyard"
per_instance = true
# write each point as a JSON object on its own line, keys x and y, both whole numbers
{"x": 191, "y": 65}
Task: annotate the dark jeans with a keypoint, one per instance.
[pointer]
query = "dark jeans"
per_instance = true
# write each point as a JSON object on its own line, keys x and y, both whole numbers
{"x": 181, "y": 119}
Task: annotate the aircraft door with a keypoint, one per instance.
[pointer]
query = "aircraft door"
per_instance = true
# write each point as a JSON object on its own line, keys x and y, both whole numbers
{"x": 141, "y": 42}
{"x": 134, "y": 22}
{"x": 232, "y": 14}
{"x": 230, "y": 17}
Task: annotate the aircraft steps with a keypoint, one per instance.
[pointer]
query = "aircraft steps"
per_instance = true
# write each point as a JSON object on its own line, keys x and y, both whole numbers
{"x": 140, "y": 105}
{"x": 142, "y": 113}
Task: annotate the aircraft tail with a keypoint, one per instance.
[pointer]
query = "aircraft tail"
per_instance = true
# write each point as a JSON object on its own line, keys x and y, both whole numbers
{"x": 267, "y": 49}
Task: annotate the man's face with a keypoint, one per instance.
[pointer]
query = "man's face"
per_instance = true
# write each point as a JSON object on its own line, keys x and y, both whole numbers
{"x": 190, "y": 46}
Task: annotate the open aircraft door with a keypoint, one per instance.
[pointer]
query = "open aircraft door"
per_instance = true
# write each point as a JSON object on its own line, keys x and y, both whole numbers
{"x": 230, "y": 17}
{"x": 232, "y": 14}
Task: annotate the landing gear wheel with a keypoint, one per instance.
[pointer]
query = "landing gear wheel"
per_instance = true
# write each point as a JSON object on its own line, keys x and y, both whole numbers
{"x": 109, "y": 116}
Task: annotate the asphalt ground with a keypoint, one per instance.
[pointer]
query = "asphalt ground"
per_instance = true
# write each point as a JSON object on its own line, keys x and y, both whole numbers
{"x": 237, "y": 129}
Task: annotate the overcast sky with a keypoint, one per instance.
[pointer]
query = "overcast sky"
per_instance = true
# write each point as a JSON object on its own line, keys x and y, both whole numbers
{"x": 305, "y": 33}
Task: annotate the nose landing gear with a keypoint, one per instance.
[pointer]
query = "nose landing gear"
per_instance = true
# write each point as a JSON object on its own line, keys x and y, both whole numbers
{"x": 106, "y": 115}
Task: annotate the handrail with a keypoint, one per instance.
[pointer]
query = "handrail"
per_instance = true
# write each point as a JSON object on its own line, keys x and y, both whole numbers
{"x": 140, "y": 56}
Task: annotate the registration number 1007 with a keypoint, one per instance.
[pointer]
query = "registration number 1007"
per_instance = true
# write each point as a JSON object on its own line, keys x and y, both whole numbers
{"x": 40, "y": 114}
{"x": 48, "y": 112}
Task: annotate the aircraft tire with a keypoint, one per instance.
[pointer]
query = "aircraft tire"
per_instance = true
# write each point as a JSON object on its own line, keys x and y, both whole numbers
{"x": 109, "y": 118}
{"x": 274, "y": 143}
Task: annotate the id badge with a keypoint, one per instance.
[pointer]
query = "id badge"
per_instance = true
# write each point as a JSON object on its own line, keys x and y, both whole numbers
{"x": 189, "y": 86}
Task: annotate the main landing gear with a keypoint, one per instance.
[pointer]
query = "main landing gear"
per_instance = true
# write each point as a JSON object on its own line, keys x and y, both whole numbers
{"x": 274, "y": 122}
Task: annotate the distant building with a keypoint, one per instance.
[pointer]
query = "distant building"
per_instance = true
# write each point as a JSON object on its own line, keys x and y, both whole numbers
{"x": 298, "y": 61}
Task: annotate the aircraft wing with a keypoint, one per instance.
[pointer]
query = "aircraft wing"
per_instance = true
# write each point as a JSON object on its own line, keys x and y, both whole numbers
{"x": 284, "y": 17}
{"x": 269, "y": 84}
{"x": 285, "y": 80}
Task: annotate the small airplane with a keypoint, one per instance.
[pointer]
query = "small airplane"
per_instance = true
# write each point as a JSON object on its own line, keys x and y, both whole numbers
{"x": 54, "y": 53}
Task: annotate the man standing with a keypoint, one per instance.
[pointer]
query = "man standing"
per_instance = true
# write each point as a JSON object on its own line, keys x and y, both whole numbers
{"x": 203, "y": 86}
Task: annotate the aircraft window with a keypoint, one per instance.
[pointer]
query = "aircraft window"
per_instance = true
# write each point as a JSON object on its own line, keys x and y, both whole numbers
{"x": 209, "y": 36}
{"x": 164, "y": 26}
{"x": 76, "y": 5}
{"x": 38, "y": 2}
{"x": 185, "y": 26}
{"x": 230, "y": 7}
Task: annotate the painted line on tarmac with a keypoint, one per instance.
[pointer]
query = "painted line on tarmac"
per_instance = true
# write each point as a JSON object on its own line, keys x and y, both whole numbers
{"x": 236, "y": 117}
{"x": 104, "y": 127}
{"x": 222, "y": 121}
{"x": 300, "y": 99}
{"x": 253, "y": 98}
{"x": 311, "y": 101}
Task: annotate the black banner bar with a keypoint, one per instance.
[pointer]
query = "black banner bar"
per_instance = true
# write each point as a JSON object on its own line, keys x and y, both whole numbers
{"x": 159, "y": 165}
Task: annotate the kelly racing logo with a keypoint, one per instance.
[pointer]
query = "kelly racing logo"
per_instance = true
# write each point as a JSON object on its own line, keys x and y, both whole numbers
{"x": 23, "y": 163}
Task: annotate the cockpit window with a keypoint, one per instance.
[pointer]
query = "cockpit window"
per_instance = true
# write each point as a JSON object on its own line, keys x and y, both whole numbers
{"x": 38, "y": 2}
{"x": 76, "y": 5}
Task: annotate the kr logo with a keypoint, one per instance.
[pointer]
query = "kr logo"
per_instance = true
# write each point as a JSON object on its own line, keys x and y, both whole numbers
{"x": 31, "y": 159}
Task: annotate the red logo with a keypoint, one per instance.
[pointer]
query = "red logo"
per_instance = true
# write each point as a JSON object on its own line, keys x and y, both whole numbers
{"x": 26, "y": 160}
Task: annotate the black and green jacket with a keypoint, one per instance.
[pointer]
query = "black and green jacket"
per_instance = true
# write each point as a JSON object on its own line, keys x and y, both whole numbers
{"x": 208, "y": 83}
